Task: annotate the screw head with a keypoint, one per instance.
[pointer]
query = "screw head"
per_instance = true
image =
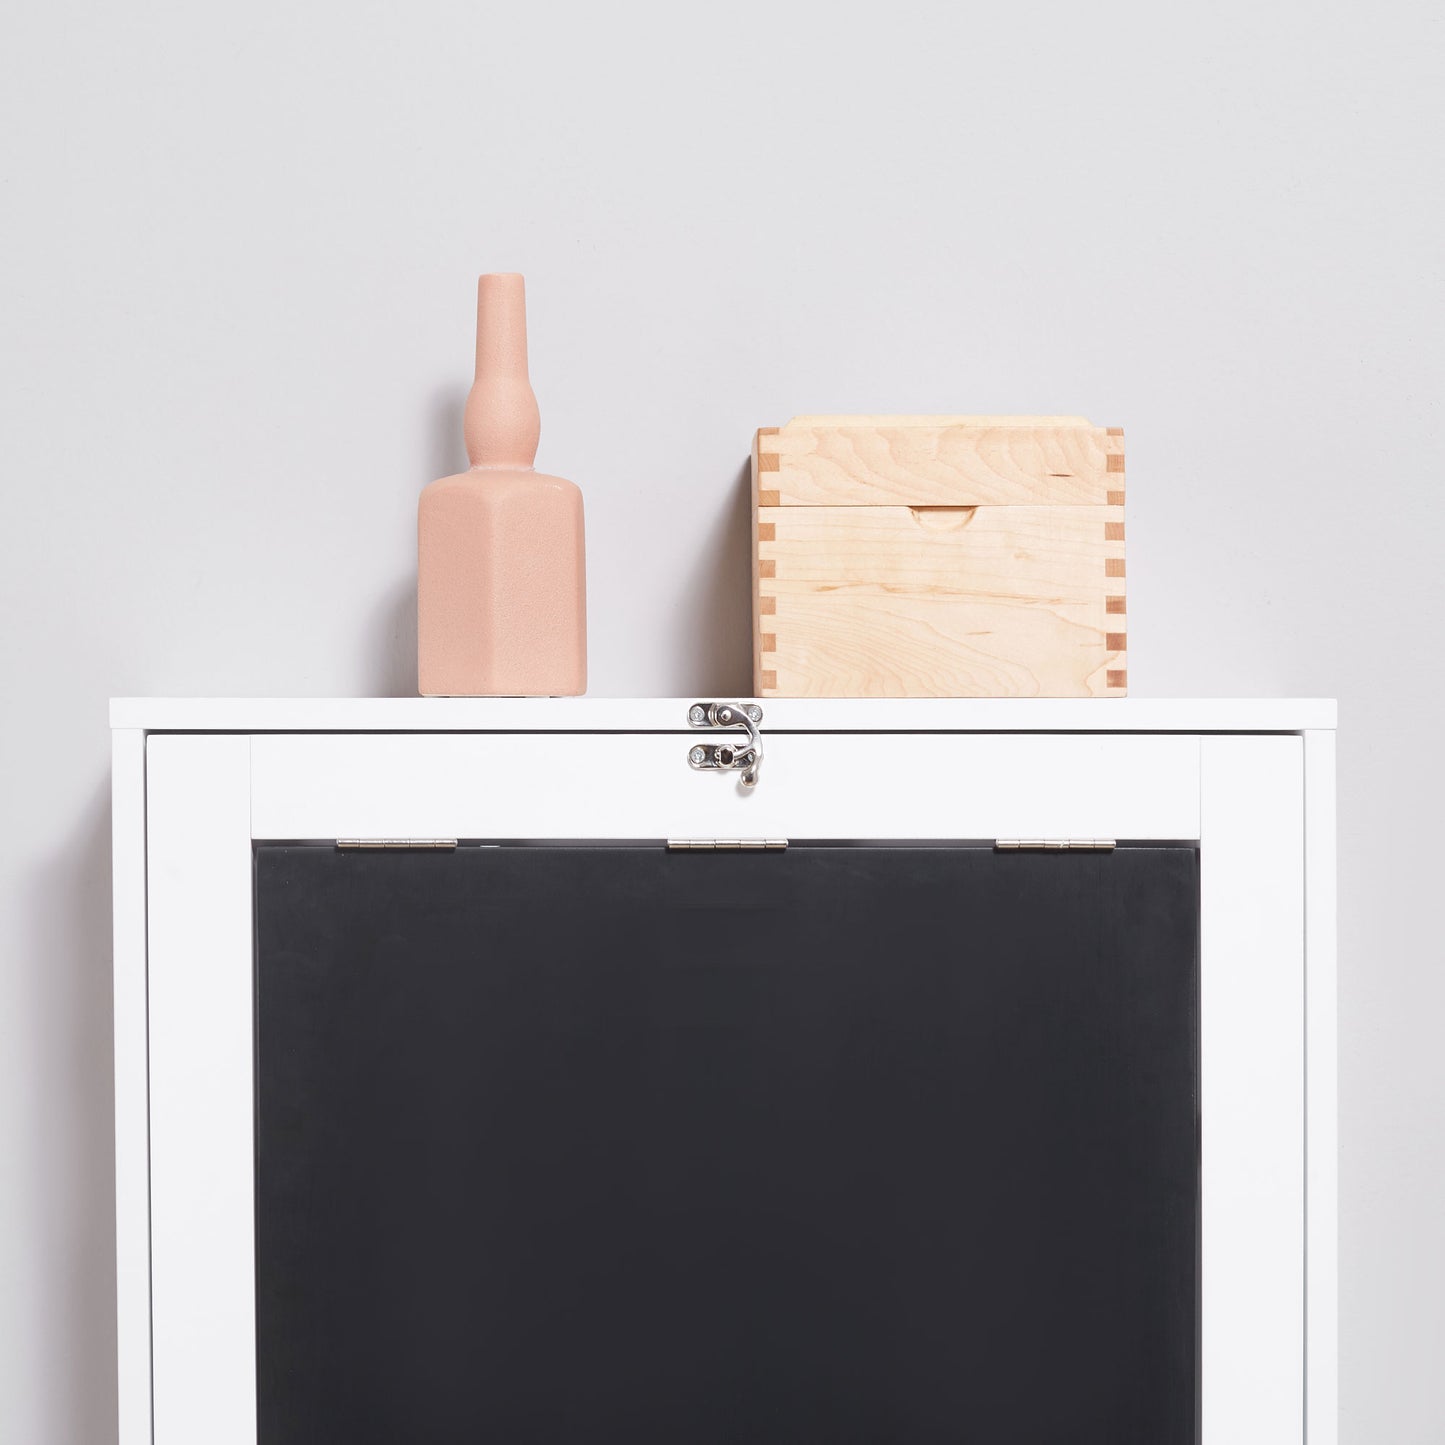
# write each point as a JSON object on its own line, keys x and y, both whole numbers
{"x": 755, "y": 712}
{"x": 697, "y": 757}
{"x": 697, "y": 713}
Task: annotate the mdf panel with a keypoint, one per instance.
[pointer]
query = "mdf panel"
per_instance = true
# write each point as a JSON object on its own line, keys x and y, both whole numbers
{"x": 132, "y": 1123}
{"x": 201, "y": 1157}
{"x": 667, "y": 715}
{"x": 1252, "y": 1027}
{"x": 1245, "y": 804}
{"x": 827, "y": 785}
{"x": 1322, "y": 1142}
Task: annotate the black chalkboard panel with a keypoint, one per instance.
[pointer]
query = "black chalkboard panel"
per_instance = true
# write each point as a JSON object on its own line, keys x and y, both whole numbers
{"x": 608, "y": 1144}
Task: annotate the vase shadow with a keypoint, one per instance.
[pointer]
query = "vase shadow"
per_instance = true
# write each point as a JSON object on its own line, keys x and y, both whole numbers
{"x": 713, "y": 638}
{"x": 393, "y": 620}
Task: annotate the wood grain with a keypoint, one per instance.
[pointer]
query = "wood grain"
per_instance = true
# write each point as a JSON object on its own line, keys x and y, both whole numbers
{"x": 1029, "y": 554}
{"x": 897, "y": 645}
{"x": 939, "y": 557}
{"x": 806, "y": 423}
{"x": 759, "y": 675}
{"x": 999, "y": 464}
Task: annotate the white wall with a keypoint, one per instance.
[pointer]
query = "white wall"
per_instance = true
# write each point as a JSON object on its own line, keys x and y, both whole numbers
{"x": 239, "y": 251}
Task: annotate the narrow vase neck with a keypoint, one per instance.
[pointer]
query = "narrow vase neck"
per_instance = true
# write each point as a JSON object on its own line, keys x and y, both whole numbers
{"x": 502, "y": 423}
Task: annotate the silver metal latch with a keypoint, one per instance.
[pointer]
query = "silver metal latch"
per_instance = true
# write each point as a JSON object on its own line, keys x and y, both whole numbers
{"x": 743, "y": 756}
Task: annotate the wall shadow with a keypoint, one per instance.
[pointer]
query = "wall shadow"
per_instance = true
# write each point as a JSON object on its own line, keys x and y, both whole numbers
{"x": 69, "y": 928}
{"x": 392, "y": 628}
{"x": 713, "y": 636}
{"x": 448, "y": 452}
{"x": 392, "y": 651}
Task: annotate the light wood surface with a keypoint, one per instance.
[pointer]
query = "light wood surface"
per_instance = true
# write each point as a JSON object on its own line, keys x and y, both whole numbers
{"x": 1006, "y": 553}
{"x": 1000, "y": 462}
{"x": 891, "y": 646}
{"x": 760, "y": 673}
{"x": 803, "y": 423}
{"x": 939, "y": 557}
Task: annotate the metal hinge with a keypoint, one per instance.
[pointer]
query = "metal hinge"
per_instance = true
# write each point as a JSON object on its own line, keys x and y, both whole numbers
{"x": 726, "y": 845}
{"x": 1054, "y": 845}
{"x": 393, "y": 845}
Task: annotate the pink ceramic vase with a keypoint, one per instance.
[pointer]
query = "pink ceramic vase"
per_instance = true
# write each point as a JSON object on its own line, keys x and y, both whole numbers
{"x": 501, "y": 580}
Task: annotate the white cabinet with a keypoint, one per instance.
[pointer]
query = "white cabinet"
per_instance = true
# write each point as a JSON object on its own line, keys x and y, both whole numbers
{"x": 199, "y": 785}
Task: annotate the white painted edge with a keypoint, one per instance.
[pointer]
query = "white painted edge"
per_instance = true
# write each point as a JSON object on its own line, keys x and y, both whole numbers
{"x": 598, "y": 714}
{"x": 203, "y": 1270}
{"x": 1321, "y": 1096}
{"x": 132, "y": 1109}
{"x": 1320, "y": 1016}
{"x": 1252, "y": 1090}
{"x": 639, "y": 785}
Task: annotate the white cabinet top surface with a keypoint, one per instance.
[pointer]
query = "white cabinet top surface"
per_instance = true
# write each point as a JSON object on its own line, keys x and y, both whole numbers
{"x": 608, "y": 714}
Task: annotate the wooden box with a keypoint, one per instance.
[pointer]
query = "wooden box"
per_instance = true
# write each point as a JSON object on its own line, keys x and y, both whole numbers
{"x": 917, "y": 556}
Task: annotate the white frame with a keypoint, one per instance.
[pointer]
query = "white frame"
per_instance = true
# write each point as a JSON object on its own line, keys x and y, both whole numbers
{"x": 1257, "y": 795}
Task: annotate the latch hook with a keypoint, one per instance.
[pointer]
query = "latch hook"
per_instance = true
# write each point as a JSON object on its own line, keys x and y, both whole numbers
{"x": 737, "y": 757}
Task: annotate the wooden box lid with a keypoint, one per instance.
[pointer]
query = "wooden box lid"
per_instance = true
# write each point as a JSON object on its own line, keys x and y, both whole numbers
{"x": 940, "y": 461}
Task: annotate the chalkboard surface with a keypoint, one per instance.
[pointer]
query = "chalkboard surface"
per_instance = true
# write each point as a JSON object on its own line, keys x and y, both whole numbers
{"x": 880, "y": 1145}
